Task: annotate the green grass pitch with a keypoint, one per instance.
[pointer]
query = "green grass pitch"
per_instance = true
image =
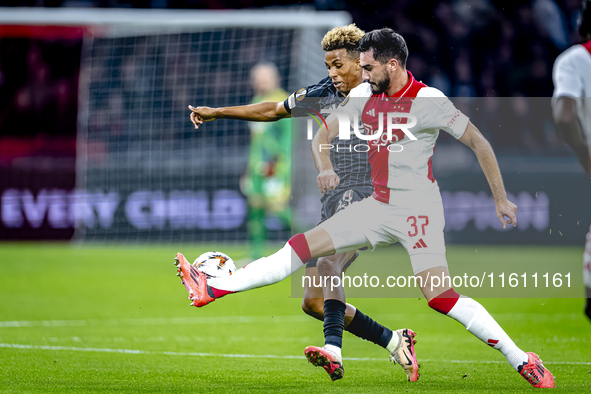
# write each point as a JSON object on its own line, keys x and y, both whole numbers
{"x": 116, "y": 319}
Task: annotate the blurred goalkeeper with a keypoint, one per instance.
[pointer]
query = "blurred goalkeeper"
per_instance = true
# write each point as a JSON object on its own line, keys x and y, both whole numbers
{"x": 345, "y": 181}
{"x": 267, "y": 182}
{"x": 572, "y": 112}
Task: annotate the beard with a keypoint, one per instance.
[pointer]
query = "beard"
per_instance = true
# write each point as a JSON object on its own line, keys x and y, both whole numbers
{"x": 380, "y": 86}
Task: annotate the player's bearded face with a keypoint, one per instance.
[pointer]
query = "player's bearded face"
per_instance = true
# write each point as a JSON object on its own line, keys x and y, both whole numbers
{"x": 374, "y": 72}
{"x": 379, "y": 80}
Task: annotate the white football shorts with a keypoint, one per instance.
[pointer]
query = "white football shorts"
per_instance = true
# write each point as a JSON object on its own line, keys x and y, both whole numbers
{"x": 418, "y": 227}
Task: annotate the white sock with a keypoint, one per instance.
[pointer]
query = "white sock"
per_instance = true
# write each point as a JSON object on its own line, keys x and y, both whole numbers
{"x": 262, "y": 272}
{"x": 393, "y": 342}
{"x": 481, "y": 324}
{"x": 335, "y": 349}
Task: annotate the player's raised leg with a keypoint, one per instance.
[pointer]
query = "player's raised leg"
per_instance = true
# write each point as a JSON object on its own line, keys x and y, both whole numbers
{"x": 262, "y": 272}
{"x": 475, "y": 318}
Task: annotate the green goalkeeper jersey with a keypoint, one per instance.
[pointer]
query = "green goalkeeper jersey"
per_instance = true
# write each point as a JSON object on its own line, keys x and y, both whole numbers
{"x": 269, "y": 164}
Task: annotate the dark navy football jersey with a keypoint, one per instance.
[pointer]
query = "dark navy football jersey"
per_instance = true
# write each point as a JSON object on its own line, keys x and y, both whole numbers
{"x": 350, "y": 165}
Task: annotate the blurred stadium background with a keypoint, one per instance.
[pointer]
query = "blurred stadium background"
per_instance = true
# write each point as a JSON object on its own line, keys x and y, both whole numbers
{"x": 96, "y": 147}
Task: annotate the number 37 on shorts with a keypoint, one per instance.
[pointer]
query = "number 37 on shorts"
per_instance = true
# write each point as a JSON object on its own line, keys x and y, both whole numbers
{"x": 413, "y": 223}
{"x": 424, "y": 233}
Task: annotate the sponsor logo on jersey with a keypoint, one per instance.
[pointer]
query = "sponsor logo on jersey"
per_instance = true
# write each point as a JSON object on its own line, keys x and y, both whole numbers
{"x": 371, "y": 112}
{"x": 453, "y": 119}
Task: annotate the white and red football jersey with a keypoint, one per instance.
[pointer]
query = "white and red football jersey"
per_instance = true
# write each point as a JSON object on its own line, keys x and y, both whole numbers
{"x": 572, "y": 78}
{"x": 400, "y": 166}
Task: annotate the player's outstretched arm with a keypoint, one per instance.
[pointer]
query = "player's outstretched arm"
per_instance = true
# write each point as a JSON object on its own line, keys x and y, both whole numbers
{"x": 327, "y": 179}
{"x": 486, "y": 157}
{"x": 569, "y": 127}
{"x": 259, "y": 112}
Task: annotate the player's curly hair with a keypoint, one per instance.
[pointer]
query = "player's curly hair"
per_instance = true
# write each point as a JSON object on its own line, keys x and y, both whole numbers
{"x": 347, "y": 37}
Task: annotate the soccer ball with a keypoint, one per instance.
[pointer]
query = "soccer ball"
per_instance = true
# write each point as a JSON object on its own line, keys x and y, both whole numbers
{"x": 215, "y": 265}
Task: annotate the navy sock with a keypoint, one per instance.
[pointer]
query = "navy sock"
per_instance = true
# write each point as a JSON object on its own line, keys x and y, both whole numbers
{"x": 365, "y": 327}
{"x": 334, "y": 322}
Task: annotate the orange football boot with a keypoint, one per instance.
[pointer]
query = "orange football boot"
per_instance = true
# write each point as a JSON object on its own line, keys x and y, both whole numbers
{"x": 535, "y": 372}
{"x": 195, "y": 282}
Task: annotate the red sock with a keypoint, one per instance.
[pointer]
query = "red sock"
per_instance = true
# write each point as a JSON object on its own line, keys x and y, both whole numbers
{"x": 217, "y": 293}
{"x": 300, "y": 245}
{"x": 444, "y": 301}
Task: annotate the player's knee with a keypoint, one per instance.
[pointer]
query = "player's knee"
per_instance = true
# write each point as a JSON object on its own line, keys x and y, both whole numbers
{"x": 313, "y": 307}
{"x": 445, "y": 301}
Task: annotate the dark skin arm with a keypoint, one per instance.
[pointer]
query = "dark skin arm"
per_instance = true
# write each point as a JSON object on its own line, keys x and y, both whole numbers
{"x": 260, "y": 112}
{"x": 327, "y": 179}
{"x": 570, "y": 129}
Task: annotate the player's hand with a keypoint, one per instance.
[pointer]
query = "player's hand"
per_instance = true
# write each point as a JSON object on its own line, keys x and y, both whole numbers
{"x": 508, "y": 209}
{"x": 327, "y": 180}
{"x": 200, "y": 115}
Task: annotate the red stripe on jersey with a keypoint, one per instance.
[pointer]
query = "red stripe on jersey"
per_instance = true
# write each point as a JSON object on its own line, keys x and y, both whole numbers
{"x": 587, "y": 46}
{"x": 378, "y": 153}
{"x": 430, "y": 165}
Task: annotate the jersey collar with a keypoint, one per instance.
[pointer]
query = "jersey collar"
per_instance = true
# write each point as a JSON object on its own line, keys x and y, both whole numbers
{"x": 406, "y": 87}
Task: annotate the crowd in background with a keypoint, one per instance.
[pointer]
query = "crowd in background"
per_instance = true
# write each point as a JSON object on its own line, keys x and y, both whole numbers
{"x": 38, "y": 97}
{"x": 463, "y": 47}
{"x": 466, "y": 48}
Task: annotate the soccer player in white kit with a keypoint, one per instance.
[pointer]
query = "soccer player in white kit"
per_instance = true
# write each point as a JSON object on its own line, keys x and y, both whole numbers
{"x": 571, "y": 104}
{"x": 405, "y": 207}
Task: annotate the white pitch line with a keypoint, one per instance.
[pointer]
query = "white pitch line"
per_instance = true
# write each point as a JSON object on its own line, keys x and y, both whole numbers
{"x": 155, "y": 321}
{"x": 243, "y": 319}
{"x": 289, "y": 357}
